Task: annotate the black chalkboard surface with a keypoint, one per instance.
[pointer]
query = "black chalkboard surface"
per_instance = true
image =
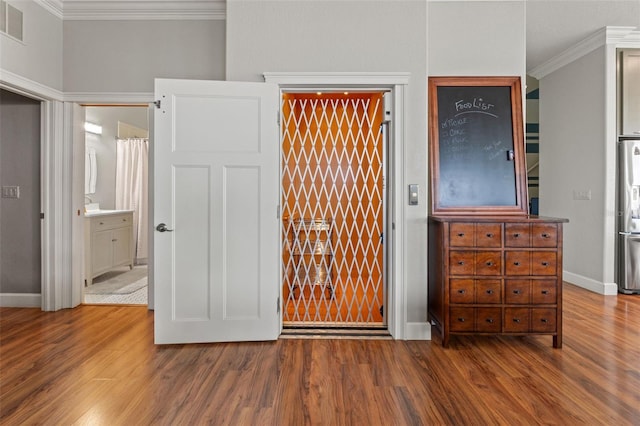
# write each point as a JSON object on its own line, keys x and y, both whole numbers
{"x": 476, "y": 145}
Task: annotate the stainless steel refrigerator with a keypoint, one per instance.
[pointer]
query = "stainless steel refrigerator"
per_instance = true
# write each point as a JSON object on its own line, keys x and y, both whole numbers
{"x": 629, "y": 214}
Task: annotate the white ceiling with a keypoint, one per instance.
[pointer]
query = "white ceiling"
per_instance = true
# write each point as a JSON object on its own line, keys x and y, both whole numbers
{"x": 553, "y": 26}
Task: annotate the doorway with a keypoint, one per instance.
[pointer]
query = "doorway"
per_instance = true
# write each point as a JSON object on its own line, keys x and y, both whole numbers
{"x": 115, "y": 197}
{"x": 333, "y": 159}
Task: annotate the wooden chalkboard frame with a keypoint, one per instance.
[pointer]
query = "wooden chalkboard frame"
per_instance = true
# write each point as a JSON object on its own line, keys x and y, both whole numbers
{"x": 520, "y": 204}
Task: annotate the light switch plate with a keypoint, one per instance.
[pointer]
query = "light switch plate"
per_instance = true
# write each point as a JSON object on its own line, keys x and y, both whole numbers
{"x": 414, "y": 190}
{"x": 10, "y": 192}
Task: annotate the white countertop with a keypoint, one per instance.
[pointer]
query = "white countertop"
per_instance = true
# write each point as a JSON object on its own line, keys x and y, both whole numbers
{"x": 94, "y": 213}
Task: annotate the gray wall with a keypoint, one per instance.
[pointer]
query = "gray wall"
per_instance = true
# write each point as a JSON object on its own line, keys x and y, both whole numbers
{"x": 39, "y": 57}
{"x": 105, "y": 146}
{"x": 572, "y": 135}
{"x": 125, "y": 56}
{"x": 20, "y": 218}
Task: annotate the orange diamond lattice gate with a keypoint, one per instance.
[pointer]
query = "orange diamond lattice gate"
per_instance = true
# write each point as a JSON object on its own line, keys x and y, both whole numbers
{"x": 333, "y": 204}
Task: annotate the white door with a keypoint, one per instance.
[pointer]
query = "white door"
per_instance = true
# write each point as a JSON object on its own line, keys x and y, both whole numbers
{"x": 216, "y": 189}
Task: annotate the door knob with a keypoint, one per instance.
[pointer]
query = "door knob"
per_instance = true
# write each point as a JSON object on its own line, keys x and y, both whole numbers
{"x": 163, "y": 228}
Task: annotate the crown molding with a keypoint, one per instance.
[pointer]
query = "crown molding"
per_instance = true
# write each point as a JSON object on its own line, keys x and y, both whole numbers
{"x": 53, "y": 6}
{"x": 618, "y": 36}
{"x": 139, "y": 10}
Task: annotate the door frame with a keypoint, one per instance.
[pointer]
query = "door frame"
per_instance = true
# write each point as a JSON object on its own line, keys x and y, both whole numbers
{"x": 396, "y": 83}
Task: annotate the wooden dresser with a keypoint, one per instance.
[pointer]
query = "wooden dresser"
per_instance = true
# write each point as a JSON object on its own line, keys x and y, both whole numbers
{"x": 496, "y": 275}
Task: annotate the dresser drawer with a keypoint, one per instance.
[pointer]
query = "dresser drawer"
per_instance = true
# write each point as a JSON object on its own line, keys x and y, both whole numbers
{"x": 475, "y": 262}
{"x": 475, "y": 235}
{"x": 544, "y": 235}
{"x": 468, "y": 291}
{"x": 531, "y": 235}
{"x": 517, "y": 235}
{"x": 483, "y": 320}
{"x": 531, "y": 263}
{"x": 544, "y": 292}
{"x": 100, "y": 223}
{"x": 530, "y": 320}
{"x": 462, "y": 319}
{"x": 528, "y": 291}
{"x": 516, "y": 320}
{"x": 462, "y": 234}
{"x": 543, "y": 320}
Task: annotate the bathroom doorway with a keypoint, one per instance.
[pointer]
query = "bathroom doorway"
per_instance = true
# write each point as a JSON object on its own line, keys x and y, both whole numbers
{"x": 333, "y": 160}
{"x": 116, "y": 204}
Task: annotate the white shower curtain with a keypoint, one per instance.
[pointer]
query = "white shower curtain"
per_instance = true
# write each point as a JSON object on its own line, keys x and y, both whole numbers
{"x": 132, "y": 188}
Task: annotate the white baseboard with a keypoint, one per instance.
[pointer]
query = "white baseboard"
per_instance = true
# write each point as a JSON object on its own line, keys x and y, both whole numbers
{"x": 418, "y": 331}
{"x": 20, "y": 300}
{"x": 607, "y": 289}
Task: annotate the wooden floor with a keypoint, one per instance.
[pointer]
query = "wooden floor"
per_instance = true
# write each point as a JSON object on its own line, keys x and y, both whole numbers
{"x": 98, "y": 365}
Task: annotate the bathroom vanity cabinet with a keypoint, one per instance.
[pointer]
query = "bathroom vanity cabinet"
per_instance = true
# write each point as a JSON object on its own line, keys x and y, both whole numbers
{"x": 108, "y": 241}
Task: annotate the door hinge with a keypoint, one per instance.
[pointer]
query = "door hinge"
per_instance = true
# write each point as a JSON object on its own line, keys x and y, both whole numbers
{"x": 278, "y": 118}
{"x": 278, "y": 306}
{"x": 382, "y": 310}
{"x": 41, "y": 215}
{"x": 157, "y": 103}
{"x": 278, "y": 212}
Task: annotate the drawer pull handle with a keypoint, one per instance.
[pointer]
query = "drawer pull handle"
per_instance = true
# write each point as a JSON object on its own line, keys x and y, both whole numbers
{"x": 101, "y": 223}
{"x": 545, "y": 235}
{"x": 489, "y": 235}
{"x": 462, "y": 291}
{"x": 544, "y": 320}
{"x": 460, "y": 262}
{"x": 516, "y": 263}
{"x": 545, "y": 291}
{"x": 516, "y": 235}
{"x": 489, "y": 263}
{"x": 489, "y": 291}
{"x": 490, "y": 320}
{"x": 461, "y": 319}
{"x": 516, "y": 320}
{"x": 516, "y": 292}
{"x": 114, "y": 240}
{"x": 461, "y": 234}
{"x": 545, "y": 263}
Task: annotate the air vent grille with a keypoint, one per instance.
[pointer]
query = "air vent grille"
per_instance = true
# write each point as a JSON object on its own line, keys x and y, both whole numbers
{"x": 11, "y": 20}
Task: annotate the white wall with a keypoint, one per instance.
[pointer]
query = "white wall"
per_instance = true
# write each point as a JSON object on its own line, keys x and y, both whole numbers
{"x": 574, "y": 151}
{"x": 477, "y": 38}
{"x": 125, "y": 56}
{"x": 105, "y": 146}
{"x": 39, "y": 57}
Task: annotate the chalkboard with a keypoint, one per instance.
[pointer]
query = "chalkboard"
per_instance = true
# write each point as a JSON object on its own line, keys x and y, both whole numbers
{"x": 476, "y": 145}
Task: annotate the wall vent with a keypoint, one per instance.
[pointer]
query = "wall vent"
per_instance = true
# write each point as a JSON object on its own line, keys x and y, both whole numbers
{"x": 11, "y": 20}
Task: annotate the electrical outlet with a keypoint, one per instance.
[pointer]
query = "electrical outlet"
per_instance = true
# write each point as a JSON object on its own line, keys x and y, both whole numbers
{"x": 10, "y": 192}
{"x": 581, "y": 194}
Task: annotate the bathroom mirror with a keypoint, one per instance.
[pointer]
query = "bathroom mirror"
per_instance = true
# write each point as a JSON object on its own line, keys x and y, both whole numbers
{"x": 90, "y": 171}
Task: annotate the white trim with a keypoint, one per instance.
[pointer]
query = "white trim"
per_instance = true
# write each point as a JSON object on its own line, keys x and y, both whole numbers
{"x": 109, "y": 97}
{"x": 418, "y": 331}
{"x": 396, "y": 310}
{"x": 52, "y": 6}
{"x": 607, "y": 289}
{"x": 20, "y": 300}
{"x": 104, "y": 10}
{"x": 27, "y": 87}
{"x": 620, "y": 36}
{"x": 337, "y": 79}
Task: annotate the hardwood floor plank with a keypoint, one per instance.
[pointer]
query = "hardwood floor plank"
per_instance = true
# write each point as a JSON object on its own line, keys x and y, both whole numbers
{"x": 98, "y": 365}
